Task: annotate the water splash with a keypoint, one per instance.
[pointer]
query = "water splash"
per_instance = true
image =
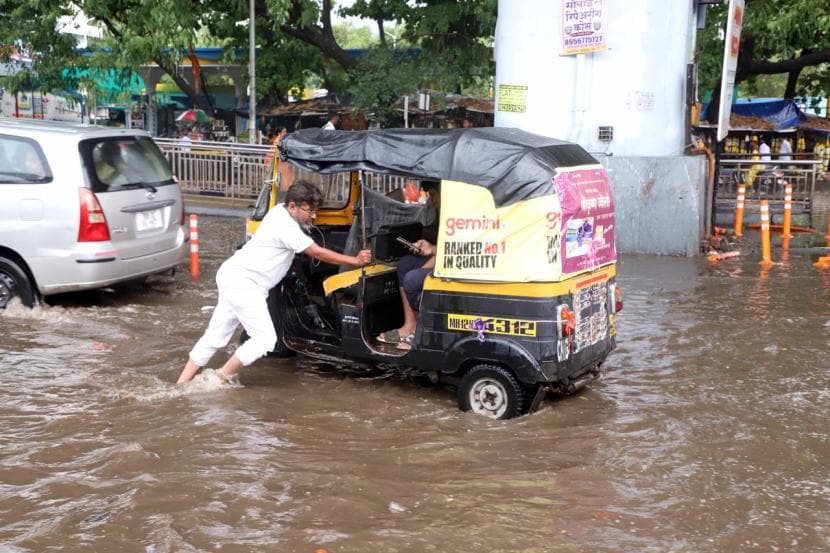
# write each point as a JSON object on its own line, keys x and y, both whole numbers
{"x": 205, "y": 382}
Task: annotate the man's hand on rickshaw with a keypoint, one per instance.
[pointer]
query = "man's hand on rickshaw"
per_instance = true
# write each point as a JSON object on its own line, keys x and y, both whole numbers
{"x": 363, "y": 257}
{"x": 425, "y": 248}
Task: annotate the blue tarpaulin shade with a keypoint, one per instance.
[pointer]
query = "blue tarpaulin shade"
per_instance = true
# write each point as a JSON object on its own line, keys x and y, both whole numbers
{"x": 781, "y": 114}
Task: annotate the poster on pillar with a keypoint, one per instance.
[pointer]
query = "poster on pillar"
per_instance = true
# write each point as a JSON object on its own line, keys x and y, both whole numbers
{"x": 583, "y": 26}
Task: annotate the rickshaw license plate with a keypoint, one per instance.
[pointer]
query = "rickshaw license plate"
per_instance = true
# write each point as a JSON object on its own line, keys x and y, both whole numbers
{"x": 148, "y": 220}
{"x": 491, "y": 325}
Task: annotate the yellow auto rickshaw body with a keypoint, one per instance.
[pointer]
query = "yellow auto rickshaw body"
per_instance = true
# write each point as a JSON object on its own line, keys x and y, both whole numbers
{"x": 522, "y": 298}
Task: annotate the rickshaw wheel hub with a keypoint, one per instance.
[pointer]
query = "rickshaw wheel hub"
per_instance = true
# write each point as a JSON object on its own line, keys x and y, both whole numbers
{"x": 488, "y": 397}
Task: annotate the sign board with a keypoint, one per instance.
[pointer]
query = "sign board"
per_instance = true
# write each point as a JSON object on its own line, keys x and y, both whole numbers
{"x": 583, "y": 26}
{"x": 732, "y": 44}
{"x": 512, "y": 98}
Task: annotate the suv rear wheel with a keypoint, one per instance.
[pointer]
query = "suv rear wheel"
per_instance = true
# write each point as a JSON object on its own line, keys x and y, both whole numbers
{"x": 491, "y": 391}
{"x": 14, "y": 284}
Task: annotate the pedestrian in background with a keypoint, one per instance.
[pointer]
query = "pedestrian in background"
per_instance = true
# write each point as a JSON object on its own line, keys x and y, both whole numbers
{"x": 244, "y": 280}
{"x": 785, "y": 150}
{"x": 279, "y": 135}
{"x": 334, "y": 120}
{"x": 764, "y": 150}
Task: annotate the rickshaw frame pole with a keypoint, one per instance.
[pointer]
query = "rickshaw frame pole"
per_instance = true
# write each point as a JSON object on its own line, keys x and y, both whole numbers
{"x": 363, "y": 240}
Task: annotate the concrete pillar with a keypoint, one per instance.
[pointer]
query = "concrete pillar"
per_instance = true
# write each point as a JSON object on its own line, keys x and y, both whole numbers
{"x": 151, "y": 76}
{"x": 635, "y": 89}
{"x": 636, "y": 86}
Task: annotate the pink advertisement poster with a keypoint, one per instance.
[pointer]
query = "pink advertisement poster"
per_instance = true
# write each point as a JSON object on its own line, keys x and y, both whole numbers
{"x": 587, "y": 219}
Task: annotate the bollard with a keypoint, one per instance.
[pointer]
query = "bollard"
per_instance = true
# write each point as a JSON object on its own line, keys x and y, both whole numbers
{"x": 766, "y": 258}
{"x": 739, "y": 211}
{"x": 823, "y": 262}
{"x": 788, "y": 210}
{"x": 194, "y": 246}
{"x": 785, "y": 249}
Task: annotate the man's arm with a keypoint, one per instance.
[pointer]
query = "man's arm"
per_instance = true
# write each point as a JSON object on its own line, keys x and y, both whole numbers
{"x": 364, "y": 257}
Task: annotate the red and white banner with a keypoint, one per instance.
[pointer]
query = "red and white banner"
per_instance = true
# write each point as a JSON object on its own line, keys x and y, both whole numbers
{"x": 731, "y": 47}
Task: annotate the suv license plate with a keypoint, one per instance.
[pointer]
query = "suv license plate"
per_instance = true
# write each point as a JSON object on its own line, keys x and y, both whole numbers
{"x": 148, "y": 220}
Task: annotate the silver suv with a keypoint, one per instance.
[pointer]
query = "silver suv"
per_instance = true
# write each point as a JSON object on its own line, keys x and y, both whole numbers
{"x": 83, "y": 207}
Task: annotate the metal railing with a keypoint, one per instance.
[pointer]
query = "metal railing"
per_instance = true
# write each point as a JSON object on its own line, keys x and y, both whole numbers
{"x": 765, "y": 180}
{"x": 227, "y": 169}
{"x": 238, "y": 171}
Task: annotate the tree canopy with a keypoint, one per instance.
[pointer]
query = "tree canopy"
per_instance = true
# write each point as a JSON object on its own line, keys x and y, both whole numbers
{"x": 296, "y": 42}
{"x": 789, "y": 39}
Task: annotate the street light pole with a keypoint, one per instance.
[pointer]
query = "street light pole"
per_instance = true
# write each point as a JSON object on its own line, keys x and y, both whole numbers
{"x": 252, "y": 75}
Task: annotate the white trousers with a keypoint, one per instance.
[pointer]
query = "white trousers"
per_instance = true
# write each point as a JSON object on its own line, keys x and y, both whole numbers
{"x": 240, "y": 301}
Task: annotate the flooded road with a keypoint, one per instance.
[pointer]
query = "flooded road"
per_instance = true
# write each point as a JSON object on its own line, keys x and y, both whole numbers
{"x": 707, "y": 433}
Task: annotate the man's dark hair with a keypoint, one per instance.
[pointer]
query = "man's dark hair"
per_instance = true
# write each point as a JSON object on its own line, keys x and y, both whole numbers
{"x": 303, "y": 191}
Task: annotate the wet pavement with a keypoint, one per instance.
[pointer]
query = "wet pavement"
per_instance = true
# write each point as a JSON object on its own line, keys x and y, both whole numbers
{"x": 708, "y": 431}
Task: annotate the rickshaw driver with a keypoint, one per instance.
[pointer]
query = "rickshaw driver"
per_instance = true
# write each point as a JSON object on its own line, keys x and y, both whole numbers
{"x": 244, "y": 280}
{"x": 413, "y": 271}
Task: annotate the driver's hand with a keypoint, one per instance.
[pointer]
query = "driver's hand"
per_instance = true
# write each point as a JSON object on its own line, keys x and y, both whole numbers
{"x": 364, "y": 257}
{"x": 425, "y": 248}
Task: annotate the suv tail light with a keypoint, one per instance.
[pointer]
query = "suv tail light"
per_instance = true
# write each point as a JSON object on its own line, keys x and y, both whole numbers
{"x": 93, "y": 227}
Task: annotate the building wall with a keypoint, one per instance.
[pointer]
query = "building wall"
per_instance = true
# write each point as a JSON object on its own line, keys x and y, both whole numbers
{"x": 659, "y": 203}
{"x": 38, "y": 105}
{"x": 636, "y": 86}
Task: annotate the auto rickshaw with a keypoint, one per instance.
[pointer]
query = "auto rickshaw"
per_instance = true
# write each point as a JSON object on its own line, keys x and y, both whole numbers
{"x": 522, "y": 299}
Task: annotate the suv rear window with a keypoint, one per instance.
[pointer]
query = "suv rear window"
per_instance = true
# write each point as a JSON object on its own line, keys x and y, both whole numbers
{"x": 22, "y": 160}
{"x": 115, "y": 163}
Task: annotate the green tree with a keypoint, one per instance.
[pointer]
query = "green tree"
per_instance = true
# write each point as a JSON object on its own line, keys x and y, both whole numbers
{"x": 296, "y": 42}
{"x": 352, "y": 36}
{"x": 382, "y": 77}
{"x": 456, "y": 38}
{"x": 39, "y": 41}
{"x": 779, "y": 37}
{"x": 380, "y": 12}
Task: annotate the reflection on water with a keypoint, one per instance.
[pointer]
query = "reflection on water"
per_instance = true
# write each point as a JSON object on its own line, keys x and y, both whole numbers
{"x": 707, "y": 433}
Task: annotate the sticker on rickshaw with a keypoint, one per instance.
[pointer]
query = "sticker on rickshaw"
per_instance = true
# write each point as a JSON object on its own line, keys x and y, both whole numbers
{"x": 491, "y": 325}
{"x": 591, "y": 315}
{"x": 587, "y": 219}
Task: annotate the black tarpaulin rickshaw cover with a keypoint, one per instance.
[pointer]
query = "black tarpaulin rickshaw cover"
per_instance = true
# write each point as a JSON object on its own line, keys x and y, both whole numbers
{"x": 514, "y": 165}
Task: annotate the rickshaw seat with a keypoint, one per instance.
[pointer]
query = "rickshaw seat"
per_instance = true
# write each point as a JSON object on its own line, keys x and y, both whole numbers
{"x": 350, "y": 278}
{"x": 385, "y": 245}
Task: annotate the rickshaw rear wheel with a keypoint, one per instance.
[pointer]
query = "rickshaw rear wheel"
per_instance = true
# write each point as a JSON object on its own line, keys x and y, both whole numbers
{"x": 491, "y": 391}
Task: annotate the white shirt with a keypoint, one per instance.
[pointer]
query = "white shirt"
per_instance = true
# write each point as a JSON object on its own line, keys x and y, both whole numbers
{"x": 329, "y": 126}
{"x": 267, "y": 256}
{"x": 785, "y": 150}
{"x": 765, "y": 151}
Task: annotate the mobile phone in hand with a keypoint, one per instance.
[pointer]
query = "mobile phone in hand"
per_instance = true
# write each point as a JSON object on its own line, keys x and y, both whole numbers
{"x": 408, "y": 244}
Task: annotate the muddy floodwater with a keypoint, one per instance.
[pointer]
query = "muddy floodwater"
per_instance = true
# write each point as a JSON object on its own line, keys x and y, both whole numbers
{"x": 707, "y": 433}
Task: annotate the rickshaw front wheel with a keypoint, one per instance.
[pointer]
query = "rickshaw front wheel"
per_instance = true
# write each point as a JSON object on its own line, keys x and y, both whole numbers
{"x": 492, "y": 391}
